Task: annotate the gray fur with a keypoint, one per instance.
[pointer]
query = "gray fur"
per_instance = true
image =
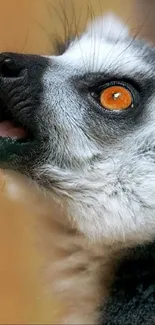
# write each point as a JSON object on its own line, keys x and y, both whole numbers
{"x": 101, "y": 164}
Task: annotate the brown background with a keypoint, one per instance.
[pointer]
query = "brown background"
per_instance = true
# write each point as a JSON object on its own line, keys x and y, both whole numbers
{"x": 28, "y": 26}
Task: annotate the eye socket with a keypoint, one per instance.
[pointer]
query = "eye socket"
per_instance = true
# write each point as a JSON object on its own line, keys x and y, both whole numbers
{"x": 116, "y": 97}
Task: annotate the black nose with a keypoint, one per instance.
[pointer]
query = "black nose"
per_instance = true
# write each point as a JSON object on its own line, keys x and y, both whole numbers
{"x": 9, "y": 68}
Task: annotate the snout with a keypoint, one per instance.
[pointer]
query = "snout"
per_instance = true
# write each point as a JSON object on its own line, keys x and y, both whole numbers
{"x": 9, "y": 68}
{"x": 13, "y": 64}
{"x": 21, "y": 91}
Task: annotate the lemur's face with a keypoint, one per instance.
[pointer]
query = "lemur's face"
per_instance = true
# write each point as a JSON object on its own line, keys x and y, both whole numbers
{"x": 85, "y": 128}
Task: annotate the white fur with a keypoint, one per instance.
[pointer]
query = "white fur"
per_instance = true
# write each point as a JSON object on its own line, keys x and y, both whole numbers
{"x": 100, "y": 172}
{"x": 109, "y": 27}
{"x": 105, "y": 202}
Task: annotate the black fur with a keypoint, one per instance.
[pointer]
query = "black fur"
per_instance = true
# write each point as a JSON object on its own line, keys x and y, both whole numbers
{"x": 132, "y": 296}
{"x": 20, "y": 100}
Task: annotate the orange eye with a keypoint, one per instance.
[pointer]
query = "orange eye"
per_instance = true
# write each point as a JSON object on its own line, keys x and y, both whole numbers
{"x": 116, "y": 98}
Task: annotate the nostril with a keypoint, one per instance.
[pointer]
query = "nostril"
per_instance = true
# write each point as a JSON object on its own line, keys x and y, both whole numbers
{"x": 8, "y": 68}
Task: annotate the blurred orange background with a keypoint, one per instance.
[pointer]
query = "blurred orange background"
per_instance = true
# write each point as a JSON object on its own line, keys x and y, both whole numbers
{"x": 27, "y": 26}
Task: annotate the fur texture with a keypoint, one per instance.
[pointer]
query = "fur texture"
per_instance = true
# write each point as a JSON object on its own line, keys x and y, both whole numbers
{"x": 97, "y": 165}
{"x": 132, "y": 295}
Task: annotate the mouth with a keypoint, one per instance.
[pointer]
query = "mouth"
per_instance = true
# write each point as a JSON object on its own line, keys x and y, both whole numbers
{"x": 15, "y": 138}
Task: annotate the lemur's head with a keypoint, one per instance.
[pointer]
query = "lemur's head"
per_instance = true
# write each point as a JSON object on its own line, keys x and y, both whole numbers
{"x": 83, "y": 125}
